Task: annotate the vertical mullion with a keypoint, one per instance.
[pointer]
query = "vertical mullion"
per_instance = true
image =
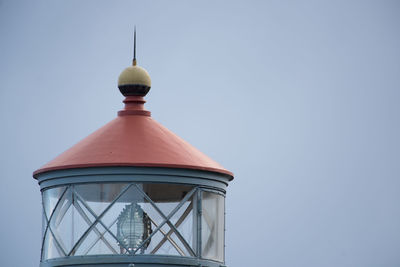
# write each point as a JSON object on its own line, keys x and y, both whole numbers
{"x": 44, "y": 231}
{"x": 199, "y": 226}
{"x": 72, "y": 215}
{"x": 223, "y": 249}
{"x": 194, "y": 223}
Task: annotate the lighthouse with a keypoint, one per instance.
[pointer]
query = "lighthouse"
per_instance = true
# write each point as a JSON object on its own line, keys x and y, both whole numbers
{"x": 133, "y": 194}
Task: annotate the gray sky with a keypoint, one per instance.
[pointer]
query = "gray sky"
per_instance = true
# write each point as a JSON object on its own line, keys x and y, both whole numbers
{"x": 300, "y": 99}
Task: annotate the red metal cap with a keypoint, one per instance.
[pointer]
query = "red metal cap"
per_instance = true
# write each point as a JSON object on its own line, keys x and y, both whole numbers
{"x": 133, "y": 139}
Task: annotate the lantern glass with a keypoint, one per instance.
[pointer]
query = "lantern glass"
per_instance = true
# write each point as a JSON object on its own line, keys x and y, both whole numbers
{"x": 212, "y": 230}
{"x": 119, "y": 218}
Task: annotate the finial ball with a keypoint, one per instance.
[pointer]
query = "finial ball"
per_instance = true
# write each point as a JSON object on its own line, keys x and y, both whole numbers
{"x": 134, "y": 80}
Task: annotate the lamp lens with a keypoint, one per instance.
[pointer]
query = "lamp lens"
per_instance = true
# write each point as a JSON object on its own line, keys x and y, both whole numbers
{"x": 133, "y": 227}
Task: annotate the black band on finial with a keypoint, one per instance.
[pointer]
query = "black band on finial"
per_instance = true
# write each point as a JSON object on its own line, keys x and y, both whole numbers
{"x": 134, "y": 89}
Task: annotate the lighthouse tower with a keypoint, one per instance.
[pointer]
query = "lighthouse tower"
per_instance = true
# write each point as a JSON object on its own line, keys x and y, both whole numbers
{"x": 133, "y": 194}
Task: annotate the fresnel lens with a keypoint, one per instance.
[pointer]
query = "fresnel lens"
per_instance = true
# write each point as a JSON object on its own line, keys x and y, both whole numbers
{"x": 133, "y": 227}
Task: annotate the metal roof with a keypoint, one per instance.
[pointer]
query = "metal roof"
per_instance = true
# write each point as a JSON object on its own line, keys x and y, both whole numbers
{"x": 133, "y": 139}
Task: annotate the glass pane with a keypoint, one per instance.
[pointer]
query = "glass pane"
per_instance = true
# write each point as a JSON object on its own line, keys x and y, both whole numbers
{"x": 61, "y": 222}
{"x": 82, "y": 219}
{"x": 44, "y": 224}
{"x": 50, "y": 248}
{"x": 183, "y": 221}
{"x": 98, "y": 196}
{"x": 186, "y": 227}
{"x": 179, "y": 244}
{"x": 50, "y": 199}
{"x": 92, "y": 201}
{"x": 212, "y": 221}
{"x": 167, "y": 197}
{"x": 124, "y": 217}
{"x": 97, "y": 242}
{"x": 159, "y": 246}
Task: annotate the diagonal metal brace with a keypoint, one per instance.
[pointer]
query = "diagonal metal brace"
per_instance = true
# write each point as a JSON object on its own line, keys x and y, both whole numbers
{"x": 87, "y": 220}
{"x": 180, "y": 251}
{"x": 177, "y": 224}
{"x": 79, "y": 242}
{"x": 186, "y": 198}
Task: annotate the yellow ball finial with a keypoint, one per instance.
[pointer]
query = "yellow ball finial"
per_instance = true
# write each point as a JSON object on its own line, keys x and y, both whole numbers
{"x": 134, "y": 80}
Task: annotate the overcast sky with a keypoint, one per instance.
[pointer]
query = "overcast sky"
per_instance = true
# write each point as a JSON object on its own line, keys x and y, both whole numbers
{"x": 300, "y": 99}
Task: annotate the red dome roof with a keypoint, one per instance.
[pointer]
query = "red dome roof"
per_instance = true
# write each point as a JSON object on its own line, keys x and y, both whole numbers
{"x": 133, "y": 139}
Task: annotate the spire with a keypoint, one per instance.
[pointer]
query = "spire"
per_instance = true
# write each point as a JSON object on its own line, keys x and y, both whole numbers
{"x": 134, "y": 47}
{"x": 134, "y": 80}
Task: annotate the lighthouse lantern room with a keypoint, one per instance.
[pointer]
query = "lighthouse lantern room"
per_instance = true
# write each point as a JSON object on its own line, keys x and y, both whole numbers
{"x": 133, "y": 194}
